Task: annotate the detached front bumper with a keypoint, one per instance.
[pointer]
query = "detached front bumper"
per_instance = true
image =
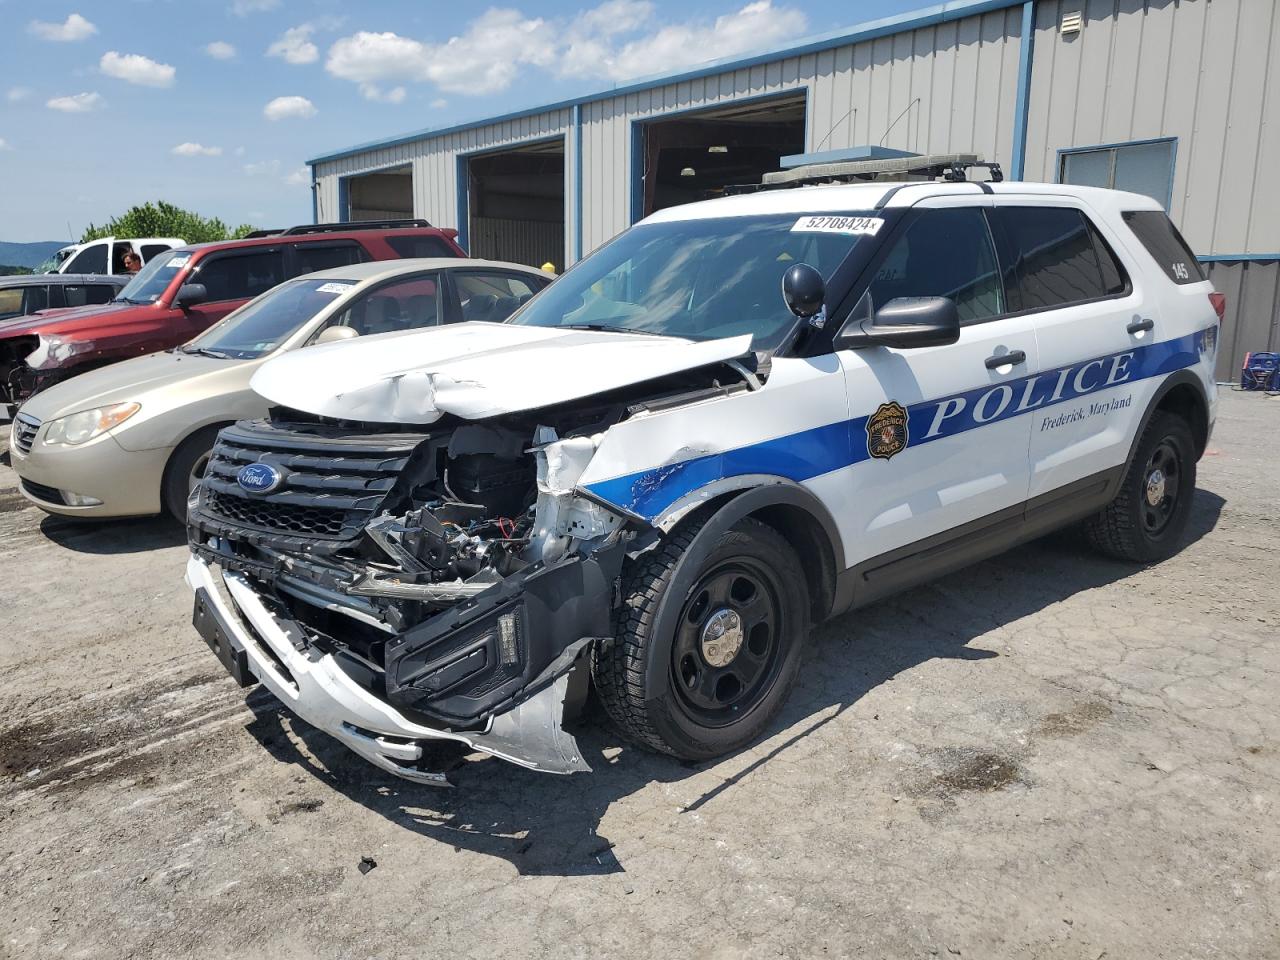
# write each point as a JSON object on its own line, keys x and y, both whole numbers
{"x": 256, "y": 645}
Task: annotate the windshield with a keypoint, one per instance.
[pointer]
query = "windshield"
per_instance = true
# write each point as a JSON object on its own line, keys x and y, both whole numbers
{"x": 152, "y": 280}
{"x": 54, "y": 262}
{"x": 700, "y": 279}
{"x": 263, "y": 324}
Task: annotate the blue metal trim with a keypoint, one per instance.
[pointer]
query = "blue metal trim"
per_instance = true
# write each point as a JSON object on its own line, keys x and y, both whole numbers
{"x": 637, "y": 133}
{"x": 1173, "y": 158}
{"x": 1237, "y": 257}
{"x": 344, "y": 201}
{"x": 315, "y": 198}
{"x": 461, "y": 192}
{"x": 577, "y": 183}
{"x": 870, "y": 30}
{"x": 1025, "y": 55}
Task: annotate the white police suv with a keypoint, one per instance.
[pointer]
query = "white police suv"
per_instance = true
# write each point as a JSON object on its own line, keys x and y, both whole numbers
{"x": 737, "y": 419}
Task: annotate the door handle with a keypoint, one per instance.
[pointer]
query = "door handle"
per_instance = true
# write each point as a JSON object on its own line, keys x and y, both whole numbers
{"x": 1006, "y": 359}
{"x": 1141, "y": 326}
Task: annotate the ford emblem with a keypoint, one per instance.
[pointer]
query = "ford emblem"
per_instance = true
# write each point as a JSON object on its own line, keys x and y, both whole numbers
{"x": 259, "y": 477}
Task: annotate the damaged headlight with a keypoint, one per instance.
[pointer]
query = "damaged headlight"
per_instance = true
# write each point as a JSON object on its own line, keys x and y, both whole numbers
{"x": 52, "y": 351}
{"x": 84, "y": 426}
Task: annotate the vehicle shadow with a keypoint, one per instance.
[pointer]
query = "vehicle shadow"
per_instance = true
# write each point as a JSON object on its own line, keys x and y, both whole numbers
{"x": 113, "y": 536}
{"x": 549, "y": 825}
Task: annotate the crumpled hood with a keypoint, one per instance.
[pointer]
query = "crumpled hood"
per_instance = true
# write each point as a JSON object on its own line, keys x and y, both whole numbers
{"x": 72, "y": 320}
{"x": 474, "y": 370}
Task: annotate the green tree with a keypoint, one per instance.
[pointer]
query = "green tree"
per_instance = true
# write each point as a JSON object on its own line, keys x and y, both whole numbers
{"x": 162, "y": 219}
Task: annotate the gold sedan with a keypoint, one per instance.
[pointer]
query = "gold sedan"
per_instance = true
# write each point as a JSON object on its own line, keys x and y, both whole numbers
{"x": 133, "y": 438}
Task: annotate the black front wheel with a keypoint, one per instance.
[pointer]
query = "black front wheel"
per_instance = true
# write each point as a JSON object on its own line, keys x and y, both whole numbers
{"x": 1147, "y": 519}
{"x": 707, "y": 641}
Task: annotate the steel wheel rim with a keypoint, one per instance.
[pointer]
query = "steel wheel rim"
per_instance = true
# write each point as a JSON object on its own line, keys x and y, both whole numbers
{"x": 713, "y": 687}
{"x": 1159, "y": 496}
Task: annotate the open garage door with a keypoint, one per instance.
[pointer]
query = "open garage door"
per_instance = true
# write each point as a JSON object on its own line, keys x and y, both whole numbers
{"x": 385, "y": 195}
{"x": 695, "y": 156}
{"x": 515, "y": 204}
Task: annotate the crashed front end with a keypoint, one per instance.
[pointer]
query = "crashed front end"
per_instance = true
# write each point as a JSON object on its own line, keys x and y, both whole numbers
{"x": 397, "y": 586}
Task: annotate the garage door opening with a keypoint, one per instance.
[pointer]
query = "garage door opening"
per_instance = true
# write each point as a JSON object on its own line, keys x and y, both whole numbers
{"x": 515, "y": 204}
{"x": 696, "y": 156}
{"x": 385, "y": 195}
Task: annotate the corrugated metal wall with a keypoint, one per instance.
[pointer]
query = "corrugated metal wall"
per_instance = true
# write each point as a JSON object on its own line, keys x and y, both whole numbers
{"x": 1204, "y": 71}
{"x": 1253, "y": 319}
{"x": 532, "y": 242}
{"x": 948, "y": 87}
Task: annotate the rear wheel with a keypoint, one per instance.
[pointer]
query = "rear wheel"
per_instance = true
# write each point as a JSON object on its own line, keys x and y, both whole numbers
{"x": 707, "y": 643}
{"x": 1147, "y": 519}
{"x": 185, "y": 468}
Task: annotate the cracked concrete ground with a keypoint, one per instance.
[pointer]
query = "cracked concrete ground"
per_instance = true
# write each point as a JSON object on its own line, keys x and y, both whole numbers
{"x": 1048, "y": 754}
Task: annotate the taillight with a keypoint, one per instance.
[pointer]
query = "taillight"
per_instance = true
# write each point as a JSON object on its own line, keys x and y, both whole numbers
{"x": 1219, "y": 301}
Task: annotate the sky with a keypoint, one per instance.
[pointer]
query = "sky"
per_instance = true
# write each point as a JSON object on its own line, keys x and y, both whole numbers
{"x": 215, "y": 105}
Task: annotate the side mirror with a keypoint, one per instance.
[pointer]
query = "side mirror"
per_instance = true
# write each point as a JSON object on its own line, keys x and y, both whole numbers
{"x": 335, "y": 335}
{"x": 190, "y": 294}
{"x": 804, "y": 291}
{"x": 903, "y": 322}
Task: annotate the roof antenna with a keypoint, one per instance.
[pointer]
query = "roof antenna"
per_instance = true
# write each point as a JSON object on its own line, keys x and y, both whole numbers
{"x": 895, "y": 122}
{"x": 851, "y": 110}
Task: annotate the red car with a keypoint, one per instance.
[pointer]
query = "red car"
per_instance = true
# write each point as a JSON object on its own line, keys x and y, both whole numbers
{"x": 181, "y": 292}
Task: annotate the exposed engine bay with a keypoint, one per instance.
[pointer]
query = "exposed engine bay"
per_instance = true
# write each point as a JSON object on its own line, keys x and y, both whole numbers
{"x": 454, "y": 570}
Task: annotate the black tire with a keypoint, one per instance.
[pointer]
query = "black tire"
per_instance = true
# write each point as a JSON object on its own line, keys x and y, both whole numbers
{"x": 654, "y": 677}
{"x": 183, "y": 462}
{"x": 1147, "y": 519}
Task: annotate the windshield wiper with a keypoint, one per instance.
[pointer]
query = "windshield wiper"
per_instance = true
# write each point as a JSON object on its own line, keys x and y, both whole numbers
{"x": 206, "y": 352}
{"x": 609, "y": 328}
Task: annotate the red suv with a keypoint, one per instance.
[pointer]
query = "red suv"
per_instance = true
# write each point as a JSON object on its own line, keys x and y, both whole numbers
{"x": 182, "y": 291}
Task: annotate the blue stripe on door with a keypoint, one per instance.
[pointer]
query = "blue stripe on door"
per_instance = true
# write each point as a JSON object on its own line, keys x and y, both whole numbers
{"x": 811, "y": 453}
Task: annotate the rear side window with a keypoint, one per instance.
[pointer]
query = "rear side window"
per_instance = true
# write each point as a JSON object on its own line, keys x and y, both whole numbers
{"x": 1059, "y": 258}
{"x": 37, "y": 299}
{"x": 149, "y": 250}
{"x": 11, "y": 302}
{"x": 80, "y": 295}
{"x": 1165, "y": 243}
{"x": 242, "y": 276}
{"x": 324, "y": 256}
{"x": 91, "y": 259}
{"x": 493, "y": 296}
{"x": 943, "y": 253}
{"x": 420, "y": 247}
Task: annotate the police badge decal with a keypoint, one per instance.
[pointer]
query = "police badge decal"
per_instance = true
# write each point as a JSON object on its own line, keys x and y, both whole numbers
{"x": 887, "y": 430}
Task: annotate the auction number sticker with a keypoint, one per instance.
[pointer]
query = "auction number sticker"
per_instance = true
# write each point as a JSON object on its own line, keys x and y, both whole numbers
{"x": 334, "y": 287}
{"x": 827, "y": 223}
{"x": 178, "y": 262}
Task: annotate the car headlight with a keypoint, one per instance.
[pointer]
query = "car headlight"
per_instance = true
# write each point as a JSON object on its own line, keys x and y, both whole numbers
{"x": 52, "y": 351}
{"x": 87, "y": 424}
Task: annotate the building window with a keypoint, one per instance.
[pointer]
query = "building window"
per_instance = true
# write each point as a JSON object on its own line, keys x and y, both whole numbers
{"x": 1145, "y": 167}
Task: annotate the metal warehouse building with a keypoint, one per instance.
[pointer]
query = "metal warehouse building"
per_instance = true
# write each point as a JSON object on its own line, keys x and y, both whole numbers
{"x": 1179, "y": 99}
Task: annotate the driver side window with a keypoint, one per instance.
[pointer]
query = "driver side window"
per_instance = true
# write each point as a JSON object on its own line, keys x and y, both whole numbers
{"x": 943, "y": 253}
{"x": 406, "y": 304}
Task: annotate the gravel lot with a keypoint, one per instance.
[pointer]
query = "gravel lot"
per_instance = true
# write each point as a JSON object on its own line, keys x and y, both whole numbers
{"x": 1048, "y": 754}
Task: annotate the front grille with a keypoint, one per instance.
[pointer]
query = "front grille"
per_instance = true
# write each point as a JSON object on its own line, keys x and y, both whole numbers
{"x": 333, "y": 485}
{"x": 24, "y": 432}
{"x": 41, "y": 492}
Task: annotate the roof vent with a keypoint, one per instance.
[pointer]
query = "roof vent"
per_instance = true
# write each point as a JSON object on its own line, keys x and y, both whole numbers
{"x": 1072, "y": 23}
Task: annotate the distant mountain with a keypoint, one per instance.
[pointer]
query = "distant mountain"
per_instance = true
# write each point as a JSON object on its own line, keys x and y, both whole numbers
{"x": 29, "y": 254}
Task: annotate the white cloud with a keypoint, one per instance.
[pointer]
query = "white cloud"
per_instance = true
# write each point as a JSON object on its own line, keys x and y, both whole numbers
{"x": 439, "y": 103}
{"x": 612, "y": 41}
{"x": 135, "y": 68}
{"x": 294, "y": 46}
{"x": 17, "y": 93}
{"x": 220, "y": 50}
{"x": 282, "y": 108}
{"x": 75, "y": 27}
{"x": 262, "y": 167}
{"x": 242, "y": 8}
{"x": 301, "y": 177}
{"x": 371, "y": 91}
{"x": 239, "y": 151}
{"x": 195, "y": 150}
{"x": 77, "y": 103}
{"x": 4, "y": 145}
